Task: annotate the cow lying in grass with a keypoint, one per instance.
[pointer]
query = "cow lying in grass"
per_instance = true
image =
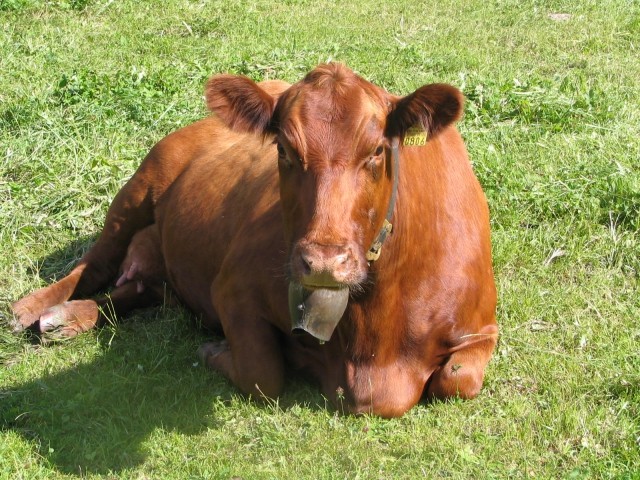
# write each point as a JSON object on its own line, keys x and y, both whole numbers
{"x": 328, "y": 209}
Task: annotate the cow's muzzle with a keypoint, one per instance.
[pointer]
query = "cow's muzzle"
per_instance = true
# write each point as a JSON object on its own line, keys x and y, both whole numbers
{"x": 319, "y": 290}
{"x": 315, "y": 265}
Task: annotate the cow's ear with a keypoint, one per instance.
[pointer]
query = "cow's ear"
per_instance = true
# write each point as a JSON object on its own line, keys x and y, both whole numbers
{"x": 239, "y": 102}
{"x": 432, "y": 107}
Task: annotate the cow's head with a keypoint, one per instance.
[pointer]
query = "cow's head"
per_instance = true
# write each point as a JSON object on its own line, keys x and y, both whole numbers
{"x": 334, "y": 133}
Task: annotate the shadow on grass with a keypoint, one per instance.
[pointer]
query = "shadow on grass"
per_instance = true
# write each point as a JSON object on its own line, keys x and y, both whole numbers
{"x": 93, "y": 409}
{"x": 93, "y": 416}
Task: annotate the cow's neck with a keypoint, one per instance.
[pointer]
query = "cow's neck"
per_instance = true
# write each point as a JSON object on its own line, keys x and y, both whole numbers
{"x": 379, "y": 320}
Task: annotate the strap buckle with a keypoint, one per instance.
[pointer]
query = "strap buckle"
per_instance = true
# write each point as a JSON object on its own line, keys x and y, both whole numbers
{"x": 374, "y": 252}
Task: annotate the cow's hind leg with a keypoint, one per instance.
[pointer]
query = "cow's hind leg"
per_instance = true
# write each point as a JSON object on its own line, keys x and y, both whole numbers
{"x": 130, "y": 211}
{"x": 462, "y": 374}
{"x": 70, "y": 318}
{"x": 141, "y": 284}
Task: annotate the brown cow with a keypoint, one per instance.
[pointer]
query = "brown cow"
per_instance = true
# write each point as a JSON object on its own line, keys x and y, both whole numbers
{"x": 329, "y": 200}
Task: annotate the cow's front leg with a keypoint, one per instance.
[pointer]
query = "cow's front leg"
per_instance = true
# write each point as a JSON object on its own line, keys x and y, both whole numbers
{"x": 462, "y": 373}
{"x": 251, "y": 354}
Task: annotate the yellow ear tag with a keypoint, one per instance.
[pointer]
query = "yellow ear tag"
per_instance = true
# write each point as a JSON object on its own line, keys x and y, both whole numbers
{"x": 415, "y": 137}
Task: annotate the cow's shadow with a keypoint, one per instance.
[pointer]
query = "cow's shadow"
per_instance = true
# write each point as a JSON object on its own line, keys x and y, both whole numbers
{"x": 96, "y": 415}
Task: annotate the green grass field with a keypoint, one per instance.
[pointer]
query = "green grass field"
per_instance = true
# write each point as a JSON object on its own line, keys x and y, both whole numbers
{"x": 552, "y": 123}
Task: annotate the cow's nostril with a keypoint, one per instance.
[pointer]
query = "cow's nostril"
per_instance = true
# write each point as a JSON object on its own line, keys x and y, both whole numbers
{"x": 342, "y": 258}
{"x": 307, "y": 263}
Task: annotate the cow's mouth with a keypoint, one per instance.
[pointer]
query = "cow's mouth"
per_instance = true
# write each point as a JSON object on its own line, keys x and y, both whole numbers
{"x": 319, "y": 284}
{"x": 316, "y": 310}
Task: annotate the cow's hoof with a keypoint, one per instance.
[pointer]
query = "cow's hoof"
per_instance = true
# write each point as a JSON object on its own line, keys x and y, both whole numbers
{"x": 53, "y": 317}
{"x": 211, "y": 350}
{"x": 17, "y": 325}
{"x": 23, "y": 316}
{"x": 68, "y": 319}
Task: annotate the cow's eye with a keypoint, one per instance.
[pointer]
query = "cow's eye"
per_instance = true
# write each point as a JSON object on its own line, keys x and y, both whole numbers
{"x": 283, "y": 159}
{"x": 378, "y": 151}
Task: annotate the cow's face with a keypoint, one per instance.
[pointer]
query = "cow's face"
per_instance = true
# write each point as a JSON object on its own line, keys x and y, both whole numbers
{"x": 333, "y": 133}
{"x": 335, "y": 175}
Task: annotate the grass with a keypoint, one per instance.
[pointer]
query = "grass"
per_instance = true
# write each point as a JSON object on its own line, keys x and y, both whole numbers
{"x": 551, "y": 123}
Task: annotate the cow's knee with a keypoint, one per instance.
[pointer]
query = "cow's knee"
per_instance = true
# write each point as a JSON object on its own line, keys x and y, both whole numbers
{"x": 456, "y": 381}
{"x": 462, "y": 375}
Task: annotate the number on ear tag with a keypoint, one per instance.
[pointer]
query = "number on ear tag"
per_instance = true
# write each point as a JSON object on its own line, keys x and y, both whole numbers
{"x": 415, "y": 137}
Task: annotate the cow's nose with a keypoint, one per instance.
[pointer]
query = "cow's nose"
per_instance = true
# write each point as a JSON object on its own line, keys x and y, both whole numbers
{"x": 316, "y": 260}
{"x": 324, "y": 265}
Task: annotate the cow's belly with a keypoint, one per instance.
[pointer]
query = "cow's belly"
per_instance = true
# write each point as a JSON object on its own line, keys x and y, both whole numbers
{"x": 191, "y": 266}
{"x": 207, "y": 216}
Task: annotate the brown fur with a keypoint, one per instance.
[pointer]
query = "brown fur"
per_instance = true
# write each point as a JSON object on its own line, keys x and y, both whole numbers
{"x": 227, "y": 230}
